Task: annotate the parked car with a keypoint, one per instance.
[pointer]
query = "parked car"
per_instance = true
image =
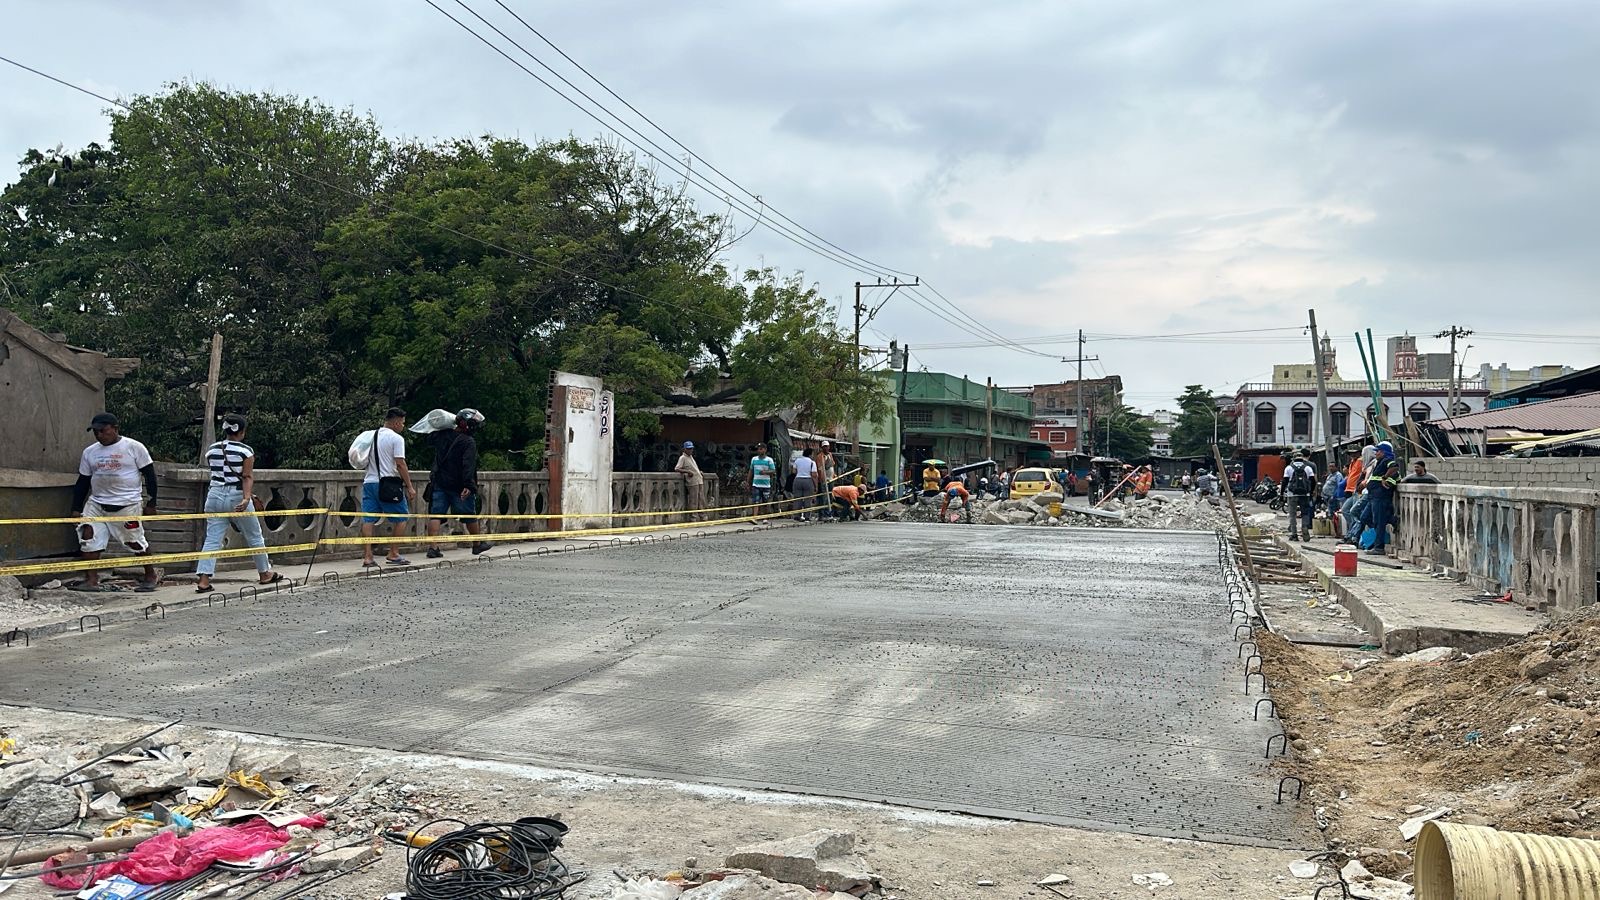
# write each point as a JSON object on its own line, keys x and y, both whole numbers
{"x": 1028, "y": 482}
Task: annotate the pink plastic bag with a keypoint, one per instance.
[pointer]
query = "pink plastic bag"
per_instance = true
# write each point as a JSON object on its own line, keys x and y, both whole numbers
{"x": 171, "y": 857}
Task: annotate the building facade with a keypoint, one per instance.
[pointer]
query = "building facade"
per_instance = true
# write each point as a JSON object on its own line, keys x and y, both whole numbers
{"x": 1056, "y": 413}
{"x": 947, "y": 417}
{"x": 1285, "y": 412}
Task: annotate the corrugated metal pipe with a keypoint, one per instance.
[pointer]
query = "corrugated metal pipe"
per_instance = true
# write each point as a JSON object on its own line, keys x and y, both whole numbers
{"x": 1470, "y": 862}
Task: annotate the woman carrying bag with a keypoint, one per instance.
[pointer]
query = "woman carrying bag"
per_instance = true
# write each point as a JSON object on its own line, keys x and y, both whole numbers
{"x": 232, "y": 463}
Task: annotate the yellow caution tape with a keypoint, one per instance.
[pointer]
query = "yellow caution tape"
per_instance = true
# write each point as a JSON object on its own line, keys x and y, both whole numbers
{"x": 83, "y": 565}
{"x": 163, "y": 517}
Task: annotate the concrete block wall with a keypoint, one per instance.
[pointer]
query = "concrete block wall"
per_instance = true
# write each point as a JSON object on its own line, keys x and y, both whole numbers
{"x": 1578, "y": 472}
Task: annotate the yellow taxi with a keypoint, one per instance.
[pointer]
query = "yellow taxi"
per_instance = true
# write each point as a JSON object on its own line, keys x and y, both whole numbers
{"x": 1028, "y": 482}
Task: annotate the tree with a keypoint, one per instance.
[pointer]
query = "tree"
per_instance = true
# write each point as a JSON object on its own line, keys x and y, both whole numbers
{"x": 795, "y": 357}
{"x": 1130, "y": 433}
{"x": 194, "y": 220}
{"x": 1198, "y": 414}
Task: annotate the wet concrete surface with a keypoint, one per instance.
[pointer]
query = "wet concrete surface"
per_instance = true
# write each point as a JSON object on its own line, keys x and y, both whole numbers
{"x": 1082, "y": 677}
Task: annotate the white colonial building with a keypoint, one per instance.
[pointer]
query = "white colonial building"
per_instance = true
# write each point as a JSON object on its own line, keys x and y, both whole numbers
{"x": 1284, "y": 412}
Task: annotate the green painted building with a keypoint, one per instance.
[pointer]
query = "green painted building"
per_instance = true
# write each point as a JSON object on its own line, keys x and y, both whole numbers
{"x": 945, "y": 416}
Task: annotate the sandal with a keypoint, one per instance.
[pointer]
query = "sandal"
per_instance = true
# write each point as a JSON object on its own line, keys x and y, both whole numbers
{"x": 369, "y": 564}
{"x": 276, "y": 577}
{"x": 205, "y": 590}
{"x": 398, "y": 561}
{"x": 145, "y": 587}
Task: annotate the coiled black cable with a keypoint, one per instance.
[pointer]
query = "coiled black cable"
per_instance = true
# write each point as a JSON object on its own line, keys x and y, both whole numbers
{"x": 488, "y": 861}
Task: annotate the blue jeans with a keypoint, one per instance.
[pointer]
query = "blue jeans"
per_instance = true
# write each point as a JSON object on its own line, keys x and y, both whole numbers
{"x": 1380, "y": 509}
{"x": 224, "y": 499}
{"x": 447, "y": 502}
{"x": 1354, "y": 513}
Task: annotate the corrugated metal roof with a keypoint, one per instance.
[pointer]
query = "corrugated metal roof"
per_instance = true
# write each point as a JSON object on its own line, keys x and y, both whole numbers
{"x": 733, "y": 410}
{"x": 1580, "y": 413}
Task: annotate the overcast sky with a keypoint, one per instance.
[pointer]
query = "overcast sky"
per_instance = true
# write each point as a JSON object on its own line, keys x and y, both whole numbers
{"x": 1126, "y": 168}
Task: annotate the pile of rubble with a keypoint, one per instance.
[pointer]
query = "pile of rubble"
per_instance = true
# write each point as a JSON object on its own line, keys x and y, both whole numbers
{"x": 819, "y": 865}
{"x": 1183, "y": 512}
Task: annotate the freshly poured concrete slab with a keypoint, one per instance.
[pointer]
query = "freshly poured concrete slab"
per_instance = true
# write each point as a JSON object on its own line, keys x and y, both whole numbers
{"x": 1082, "y": 677}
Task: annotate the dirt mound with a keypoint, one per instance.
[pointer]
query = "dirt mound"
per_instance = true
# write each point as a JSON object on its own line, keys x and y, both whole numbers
{"x": 1510, "y": 737}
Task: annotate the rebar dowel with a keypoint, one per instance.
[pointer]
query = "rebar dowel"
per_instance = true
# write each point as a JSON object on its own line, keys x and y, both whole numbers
{"x": 1271, "y": 714}
{"x": 1283, "y": 738}
{"x": 85, "y": 618}
{"x": 1299, "y": 786}
{"x": 1250, "y": 675}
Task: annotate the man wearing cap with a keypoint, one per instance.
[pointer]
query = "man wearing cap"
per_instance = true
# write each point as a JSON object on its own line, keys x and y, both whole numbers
{"x": 109, "y": 475}
{"x": 1300, "y": 488}
{"x": 454, "y": 479}
{"x": 694, "y": 482}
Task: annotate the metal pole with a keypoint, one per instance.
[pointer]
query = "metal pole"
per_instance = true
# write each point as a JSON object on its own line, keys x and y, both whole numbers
{"x": 1078, "y": 419}
{"x": 1322, "y": 392}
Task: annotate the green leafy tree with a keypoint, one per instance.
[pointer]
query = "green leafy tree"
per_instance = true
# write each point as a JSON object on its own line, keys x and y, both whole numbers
{"x": 795, "y": 357}
{"x": 1197, "y": 415}
{"x": 146, "y": 247}
{"x": 1130, "y": 433}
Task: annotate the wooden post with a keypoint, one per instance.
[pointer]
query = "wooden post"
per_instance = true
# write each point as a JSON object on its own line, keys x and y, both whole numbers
{"x": 1238, "y": 524}
{"x": 208, "y": 428}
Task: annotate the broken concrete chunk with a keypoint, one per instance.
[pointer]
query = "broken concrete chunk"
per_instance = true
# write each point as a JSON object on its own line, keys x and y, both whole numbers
{"x": 1412, "y": 827}
{"x": 18, "y": 775}
{"x": 11, "y": 588}
{"x": 749, "y": 887}
{"x": 108, "y": 806}
{"x": 817, "y": 859}
{"x": 341, "y": 860}
{"x": 145, "y": 778}
{"x": 1053, "y": 879}
{"x": 40, "y": 807}
{"x": 271, "y": 764}
{"x": 1431, "y": 655}
{"x": 1538, "y": 664}
{"x": 211, "y": 763}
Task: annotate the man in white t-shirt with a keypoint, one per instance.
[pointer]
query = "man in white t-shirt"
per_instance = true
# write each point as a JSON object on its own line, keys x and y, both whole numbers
{"x": 387, "y": 487}
{"x": 109, "y": 475}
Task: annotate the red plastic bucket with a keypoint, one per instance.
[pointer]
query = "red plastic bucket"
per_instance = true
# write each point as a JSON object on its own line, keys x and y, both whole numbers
{"x": 1344, "y": 561}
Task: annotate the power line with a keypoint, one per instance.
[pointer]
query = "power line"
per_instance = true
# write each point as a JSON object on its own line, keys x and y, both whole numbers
{"x": 373, "y": 200}
{"x": 842, "y": 257}
{"x": 635, "y": 110}
{"x": 665, "y": 159}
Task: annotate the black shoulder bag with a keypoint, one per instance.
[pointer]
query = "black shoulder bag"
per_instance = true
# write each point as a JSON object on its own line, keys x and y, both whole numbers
{"x": 391, "y": 488}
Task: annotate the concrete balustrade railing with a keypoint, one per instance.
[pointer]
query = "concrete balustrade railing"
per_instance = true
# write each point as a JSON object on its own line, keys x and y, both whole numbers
{"x": 283, "y": 491}
{"x": 1539, "y": 543}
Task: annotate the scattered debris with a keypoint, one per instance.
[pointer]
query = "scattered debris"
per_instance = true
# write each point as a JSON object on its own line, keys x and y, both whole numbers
{"x": 40, "y": 806}
{"x": 1304, "y": 868}
{"x": 1153, "y": 880}
{"x": 749, "y": 887}
{"x": 1431, "y": 655}
{"x": 816, "y": 859}
{"x": 1412, "y": 827}
{"x": 1053, "y": 879}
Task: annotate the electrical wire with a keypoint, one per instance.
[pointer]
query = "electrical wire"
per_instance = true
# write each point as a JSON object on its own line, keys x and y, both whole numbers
{"x": 818, "y": 245}
{"x": 635, "y": 110}
{"x": 487, "y": 861}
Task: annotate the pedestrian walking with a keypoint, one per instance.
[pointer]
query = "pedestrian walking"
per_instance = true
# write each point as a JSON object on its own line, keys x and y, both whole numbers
{"x": 386, "y": 487}
{"x": 763, "y": 469}
{"x": 110, "y": 472}
{"x": 454, "y": 480}
{"x": 694, "y": 482}
{"x": 1300, "y": 488}
{"x": 233, "y": 477}
{"x": 805, "y": 485}
{"x": 1187, "y": 482}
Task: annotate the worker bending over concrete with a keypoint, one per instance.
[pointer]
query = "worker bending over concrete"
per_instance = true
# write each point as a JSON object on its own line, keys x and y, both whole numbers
{"x": 847, "y": 502}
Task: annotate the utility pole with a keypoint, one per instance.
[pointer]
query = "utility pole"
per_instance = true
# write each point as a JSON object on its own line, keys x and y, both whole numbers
{"x": 208, "y": 428}
{"x": 1322, "y": 392}
{"x": 855, "y": 424}
{"x": 988, "y": 419}
{"x": 1453, "y": 333}
{"x": 1078, "y": 418}
{"x": 900, "y": 402}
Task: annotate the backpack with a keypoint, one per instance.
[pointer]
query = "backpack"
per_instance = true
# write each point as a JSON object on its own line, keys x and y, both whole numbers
{"x": 1300, "y": 480}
